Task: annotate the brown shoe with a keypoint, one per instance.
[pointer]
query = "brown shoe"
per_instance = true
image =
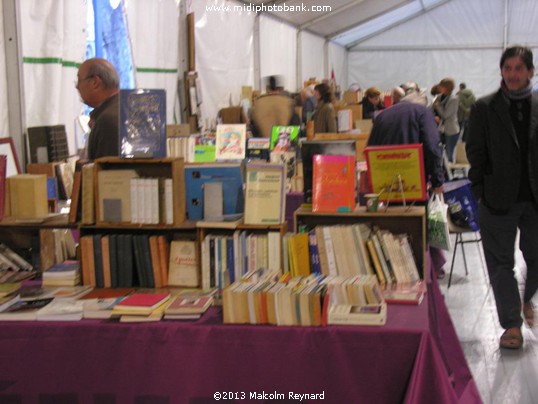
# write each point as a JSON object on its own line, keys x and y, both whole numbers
{"x": 511, "y": 339}
{"x": 528, "y": 313}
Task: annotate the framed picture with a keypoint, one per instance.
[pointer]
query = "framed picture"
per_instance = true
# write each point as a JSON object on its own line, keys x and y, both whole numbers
{"x": 8, "y": 148}
{"x": 403, "y": 161}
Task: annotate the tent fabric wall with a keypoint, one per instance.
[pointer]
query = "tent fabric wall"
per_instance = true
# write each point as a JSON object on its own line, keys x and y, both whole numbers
{"x": 459, "y": 39}
{"x": 313, "y": 61}
{"x": 224, "y": 56}
{"x": 4, "y": 118}
{"x": 338, "y": 60}
{"x": 154, "y": 32}
{"x": 53, "y": 38}
{"x": 278, "y": 51}
{"x": 54, "y": 44}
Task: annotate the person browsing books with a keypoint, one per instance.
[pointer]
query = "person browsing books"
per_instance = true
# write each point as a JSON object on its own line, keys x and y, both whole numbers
{"x": 324, "y": 115}
{"x": 98, "y": 86}
{"x": 502, "y": 148}
{"x": 408, "y": 122}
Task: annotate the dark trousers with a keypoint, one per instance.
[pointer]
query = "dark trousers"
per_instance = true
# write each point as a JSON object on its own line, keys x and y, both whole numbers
{"x": 499, "y": 234}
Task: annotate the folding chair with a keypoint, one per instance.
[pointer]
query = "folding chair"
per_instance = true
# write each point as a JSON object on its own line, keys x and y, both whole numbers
{"x": 460, "y": 241}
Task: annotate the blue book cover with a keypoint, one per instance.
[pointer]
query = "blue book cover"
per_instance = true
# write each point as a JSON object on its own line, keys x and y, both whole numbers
{"x": 230, "y": 258}
{"x": 52, "y": 188}
{"x": 315, "y": 266}
{"x": 143, "y": 123}
{"x": 232, "y": 188}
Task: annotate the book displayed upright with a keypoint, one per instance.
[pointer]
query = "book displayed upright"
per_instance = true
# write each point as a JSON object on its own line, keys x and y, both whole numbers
{"x": 333, "y": 185}
{"x": 230, "y": 175}
{"x": 265, "y": 196}
{"x": 143, "y": 123}
{"x": 231, "y": 141}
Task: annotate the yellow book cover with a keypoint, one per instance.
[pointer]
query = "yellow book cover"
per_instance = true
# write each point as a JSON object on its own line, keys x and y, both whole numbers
{"x": 114, "y": 195}
{"x": 265, "y": 195}
{"x": 183, "y": 265}
{"x": 300, "y": 254}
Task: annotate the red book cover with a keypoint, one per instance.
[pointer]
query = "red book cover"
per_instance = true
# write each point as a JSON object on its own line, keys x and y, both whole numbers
{"x": 3, "y": 164}
{"x": 334, "y": 181}
{"x": 143, "y": 300}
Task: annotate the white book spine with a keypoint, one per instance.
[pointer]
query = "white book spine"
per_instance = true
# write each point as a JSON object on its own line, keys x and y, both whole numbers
{"x": 148, "y": 199}
{"x": 168, "y": 201}
{"x": 134, "y": 201}
{"x": 154, "y": 185}
{"x": 333, "y": 270}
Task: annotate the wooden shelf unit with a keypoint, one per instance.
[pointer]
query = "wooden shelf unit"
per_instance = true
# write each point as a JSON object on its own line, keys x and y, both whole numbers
{"x": 167, "y": 168}
{"x": 397, "y": 219}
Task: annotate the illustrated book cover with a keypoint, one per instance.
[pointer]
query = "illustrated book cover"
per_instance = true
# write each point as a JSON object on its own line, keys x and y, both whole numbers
{"x": 231, "y": 141}
{"x": 333, "y": 186}
{"x": 284, "y": 138}
{"x": 143, "y": 123}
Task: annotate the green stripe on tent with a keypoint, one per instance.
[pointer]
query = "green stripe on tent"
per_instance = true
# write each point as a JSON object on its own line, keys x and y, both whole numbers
{"x": 154, "y": 70}
{"x": 48, "y": 61}
{"x": 67, "y": 63}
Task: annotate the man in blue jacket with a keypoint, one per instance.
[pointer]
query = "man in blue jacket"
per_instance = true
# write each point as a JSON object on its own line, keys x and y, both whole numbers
{"x": 502, "y": 148}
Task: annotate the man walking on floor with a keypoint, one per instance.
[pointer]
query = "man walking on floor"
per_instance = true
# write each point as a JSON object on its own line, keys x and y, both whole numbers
{"x": 502, "y": 148}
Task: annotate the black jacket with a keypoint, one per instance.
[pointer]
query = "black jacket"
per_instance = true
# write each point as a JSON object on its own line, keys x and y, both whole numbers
{"x": 493, "y": 152}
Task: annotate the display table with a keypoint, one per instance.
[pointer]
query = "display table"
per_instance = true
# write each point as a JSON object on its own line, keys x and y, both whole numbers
{"x": 415, "y": 358}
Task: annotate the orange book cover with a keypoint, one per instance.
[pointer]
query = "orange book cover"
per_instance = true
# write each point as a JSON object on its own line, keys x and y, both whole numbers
{"x": 334, "y": 181}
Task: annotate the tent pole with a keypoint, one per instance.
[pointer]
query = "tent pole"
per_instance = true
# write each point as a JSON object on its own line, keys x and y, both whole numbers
{"x": 15, "y": 81}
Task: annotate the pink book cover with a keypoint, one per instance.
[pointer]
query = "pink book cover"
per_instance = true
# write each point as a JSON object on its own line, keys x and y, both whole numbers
{"x": 334, "y": 182}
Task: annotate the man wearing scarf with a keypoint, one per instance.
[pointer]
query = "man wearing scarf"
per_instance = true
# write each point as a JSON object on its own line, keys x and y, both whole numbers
{"x": 502, "y": 148}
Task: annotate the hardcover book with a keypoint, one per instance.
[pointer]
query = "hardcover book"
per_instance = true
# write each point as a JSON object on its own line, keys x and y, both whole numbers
{"x": 143, "y": 123}
{"x": 231, "y": 177}
{"x": 188, "y": 305}
{"x": 231, "y": 142}
{"x": 141, "y": 303}
{"x": 183, "y": 267}
{"x": 265, "y": 195}
{"x": 334, "y": 182}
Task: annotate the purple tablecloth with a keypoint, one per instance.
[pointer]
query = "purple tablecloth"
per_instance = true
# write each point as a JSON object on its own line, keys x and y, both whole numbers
{"x": 409, "y": 360}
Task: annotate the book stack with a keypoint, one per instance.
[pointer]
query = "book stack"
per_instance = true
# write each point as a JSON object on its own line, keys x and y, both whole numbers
{"x": 66, "y": 273}
{"x": 141, "y": 307}
{"x": 313, "y": 300}
{"x": 226, "y": 258}
{"x": 187, "y": 307}
{"x": 13, "y": 268}
{"x": 359, "y": 249}
{"x": 181, "y": 146}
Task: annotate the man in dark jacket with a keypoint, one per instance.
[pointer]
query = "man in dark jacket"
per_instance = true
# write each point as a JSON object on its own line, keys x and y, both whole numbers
{"x": 410, "y": 121}
{"x": 98, "y": 86}
{"x": 502, "y": 148}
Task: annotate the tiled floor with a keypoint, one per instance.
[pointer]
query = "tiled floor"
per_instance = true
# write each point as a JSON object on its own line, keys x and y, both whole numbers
{"x": 502, "y": 376}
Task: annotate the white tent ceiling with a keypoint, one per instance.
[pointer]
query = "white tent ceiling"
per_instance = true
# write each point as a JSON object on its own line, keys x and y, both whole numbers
{"x": 346, "y": 22}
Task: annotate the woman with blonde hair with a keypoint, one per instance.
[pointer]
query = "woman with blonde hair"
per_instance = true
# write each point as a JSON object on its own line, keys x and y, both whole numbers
{"x": 371, "y": 103}
{"x": 446, "y": 107}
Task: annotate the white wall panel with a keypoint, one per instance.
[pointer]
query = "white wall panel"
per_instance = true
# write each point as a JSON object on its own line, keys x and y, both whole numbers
{"x": 312, "y": 58}
{"x": 224, "y": 55}
{"x": 278, "y": 51}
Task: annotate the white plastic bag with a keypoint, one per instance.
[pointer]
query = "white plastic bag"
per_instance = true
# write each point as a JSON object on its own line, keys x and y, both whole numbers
{"x": 438, "y": 232}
